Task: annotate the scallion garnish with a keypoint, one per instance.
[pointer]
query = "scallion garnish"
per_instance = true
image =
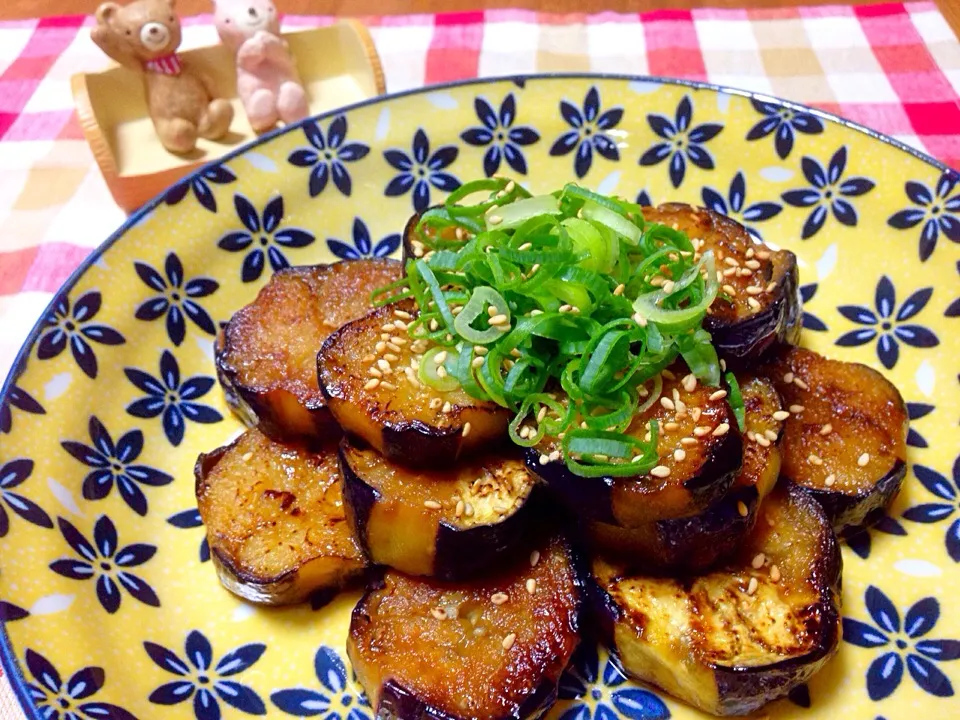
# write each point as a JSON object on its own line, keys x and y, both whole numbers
{"x": 735, "y": 398}
{"x": 564, "y": 308}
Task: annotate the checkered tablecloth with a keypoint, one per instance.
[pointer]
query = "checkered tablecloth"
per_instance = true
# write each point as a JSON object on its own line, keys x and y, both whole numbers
{"x": 893, "y": 67}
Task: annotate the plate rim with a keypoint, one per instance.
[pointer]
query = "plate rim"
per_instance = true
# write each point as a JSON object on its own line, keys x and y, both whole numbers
{"x": 8, "y": 659}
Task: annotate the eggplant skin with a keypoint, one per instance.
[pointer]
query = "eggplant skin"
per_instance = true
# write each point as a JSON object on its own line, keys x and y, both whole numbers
{"x": 432, "y": 544}
{"x": 265, "y": 355}
{"x": 742, "y": 334}
{"x": 684, "y": 636}
{"x": 274, "y": 518}
{"x": 414, "y": 665}
{"x": 866, "y": 416}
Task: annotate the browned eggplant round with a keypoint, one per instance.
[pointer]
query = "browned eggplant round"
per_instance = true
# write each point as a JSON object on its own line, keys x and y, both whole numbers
{"x": 491, "y": 649}
{"x": 448, "y": 524}
{"x": 759, "y": 307}
{"x": 370, "y": 383}
{"x": 694, "y": 543}
{"x": 275, "y": 519}
{"x": 266, "y": 355}
{"x": 845, "y": 441}
{"x": 733, "y": 640}
{"x": 699, "y": 444}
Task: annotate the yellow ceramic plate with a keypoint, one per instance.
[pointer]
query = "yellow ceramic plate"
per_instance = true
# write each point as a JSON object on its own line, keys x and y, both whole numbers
{"x": 109, "y": 599}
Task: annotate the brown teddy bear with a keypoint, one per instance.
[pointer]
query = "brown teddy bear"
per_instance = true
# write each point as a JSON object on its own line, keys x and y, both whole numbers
{"x": 144, "y": 36}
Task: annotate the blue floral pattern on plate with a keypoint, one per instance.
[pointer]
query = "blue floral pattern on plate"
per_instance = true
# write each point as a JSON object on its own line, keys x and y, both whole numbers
{"x": 886, "y": 323}
{"x": 917, "y": 411}
{"x": 682, "y": 142}
{"x": 10, "y": 612}
{"x": 363, "y": 246}
{"x": 784, "y": 122}
{"x": 263, "y": 234}
{"x": 860, "y": 539}
{"x": 205, "y": 682}
{"x": 421, "y": 169}
{"x": 70, "y": 700}
{"x": 113, "y": 464}
{"x": 12, "y": 475}
{"x": 187, "y": 520}
{"x": 612, "y": 695}
{"x": 811, "y": 321}
{"x": 74, "y": 325}
{"x": 906, "y": 643}
{"x": 735, "y": 205}
{"x": 503, "y": 139}
{"x": 949, "y": 494}
{"x": 21, "y": 400}
{"x": 199, "y": 184}
{"x": 177, "y": 299}
{"x": 110, "y": 565}
{"x": 591, "y": 125}
{"x": 335, "y": 700}
{"x": 172, "y": 398}
{"x": 327, "y": 154}
{"x": 937, "y": 209}
{"x": 828, "y": 191}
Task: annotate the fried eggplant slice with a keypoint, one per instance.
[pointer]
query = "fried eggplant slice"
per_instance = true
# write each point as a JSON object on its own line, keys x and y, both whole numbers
{"x": 445, "y": 523}
{"x": 700, "y": 449}
{"x": 758, "y": 308}
{"x": 695, "y": 543}
{"x": 266, "y": 356}
{"x": 845, "y": 441}
{"x": 275, "y": 519}
{"x": 491, "y": 649}
{"x": 368, "y": 375}
{"x": 733, "y": 640}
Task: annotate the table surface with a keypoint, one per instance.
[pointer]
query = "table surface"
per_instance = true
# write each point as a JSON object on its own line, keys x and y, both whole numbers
{"x": 950, "y": 9}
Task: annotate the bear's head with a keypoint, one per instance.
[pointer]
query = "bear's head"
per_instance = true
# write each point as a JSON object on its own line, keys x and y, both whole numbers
{"x": 239, "y": 20}
{"x": 139, "y": 32}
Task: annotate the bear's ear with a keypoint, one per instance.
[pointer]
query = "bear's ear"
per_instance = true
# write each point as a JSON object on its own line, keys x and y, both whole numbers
{"x": 106, "y": 12}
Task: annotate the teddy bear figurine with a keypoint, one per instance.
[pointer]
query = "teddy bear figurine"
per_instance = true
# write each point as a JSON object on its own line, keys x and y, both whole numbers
{"x": 183, "y": 104}
{"x": 267, "y": 79}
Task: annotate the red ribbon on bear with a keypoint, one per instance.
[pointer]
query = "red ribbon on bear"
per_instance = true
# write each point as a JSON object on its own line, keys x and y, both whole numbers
{"x": 166, "y": 65}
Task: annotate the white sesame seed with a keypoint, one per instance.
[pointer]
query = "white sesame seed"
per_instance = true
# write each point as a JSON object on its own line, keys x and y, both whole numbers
{"x": 438, "y": 614}
{"x": 468, "y": 510}
{"x": 499, "y": 598}
{"x": 668, "y": 286}
{"x": 247, "y": 456}
{"x": 695, "y": 414}
{"x": 544, "y": 459}
{"x": 826, "y": 429}
{"x": 752, "y": 264}
{"x": 797, "y": 409}
{"x": 729, "y": 272}
{"x": 493, "y": 310}
{"x": 371, "y": 384}
{"x": 753, "y": 303}
{"x": 732, "y": 262}
{"x": 758, "y": 561}
{"x": 368, "y": 358}
{"x": 754, "y": 290}
{"x": 440, "y": 357}
{"x": 534, "y": 558}
{"x": 432, "y": 504}
{"x": 702, "y": 430}
{"x": 390, "y": 358}
{"x": 814, "y": 459}
{"x": 509, "y": 640}
{"x": 477, "y": 362}
{"x": 511, "y": 186}
{"x": 800, "y": 384}
{"x": 494, "y": 219}
{"x": 718, "y": 395}
{"x": 742, "y": 509}
{"x": 781, "y": 415}
{"x": 380, "y": 347}
{"x": 752, "y": 586}
{"x": 723, "y": 364}
{"x": 679, "y": 454}
{"x": 863, "y": 460}
{"x": 830, "y": 480}
{"x": 383, "y": 364}
{"x": 376, "y": 373}
{"x": 690, "y": 382}
{"x": 498, "y": 320}
{"x": 531, "y": 585}
{"x": 774, "y": 573}
{"x": 435, "y": 403}
{"x": 788, "y": 378}
{"x": 771, "y": 286}
{"x": 640, "y": 319}
{"x": 660, "y": 471}
{"x": 671, "y": 426}
{"x": 618, "y": 290}
{"x": 688, "y": 441}
{"x": 761, "y": 441}
{"x": 770, "y": 435}
{"x": 750, "y": 252}
{"x": 729, "y": 289}
{"x": 480, "y": 350}
{"x": 394, "y": 347}
{"x": 388, "y": 328}
{"x": 721, "y": 430}
{"x": 466, "y": 429}
{"x": 388, "y": 386}
{"x": 434, "y": 325}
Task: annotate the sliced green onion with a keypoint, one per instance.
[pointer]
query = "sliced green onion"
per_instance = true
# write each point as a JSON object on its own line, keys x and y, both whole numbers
{"x": 514, "y": 215}
{"x": 616, "y": 222}
{"x": 597, "y": 442}
{"x": 735, "y": 398}
{"x": 429, "y": 369}
{"x": 480, "y": 299}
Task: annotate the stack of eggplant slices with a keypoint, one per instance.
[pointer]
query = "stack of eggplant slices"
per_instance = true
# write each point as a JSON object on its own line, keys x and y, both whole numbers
{"x": 561, "y": 418}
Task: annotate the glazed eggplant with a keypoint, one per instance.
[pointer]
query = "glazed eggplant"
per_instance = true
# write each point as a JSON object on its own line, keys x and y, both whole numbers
{"x": 695, "y": 543}
{"x": 491, "y": 649}
{"x": 448, "y": 524}
{"x": 733, "y": 640}
{"x": 700, "y": 450}
{"x": 845, "y": 441}
{"x": 759, "y": 306}
{"x": 266, "y": 356}
{"x": 275, "y": 519}
{"x": 368, "y": 372}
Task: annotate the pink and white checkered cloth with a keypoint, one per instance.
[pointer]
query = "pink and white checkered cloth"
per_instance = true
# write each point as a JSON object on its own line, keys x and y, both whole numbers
{"x": 893, "y": 67}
